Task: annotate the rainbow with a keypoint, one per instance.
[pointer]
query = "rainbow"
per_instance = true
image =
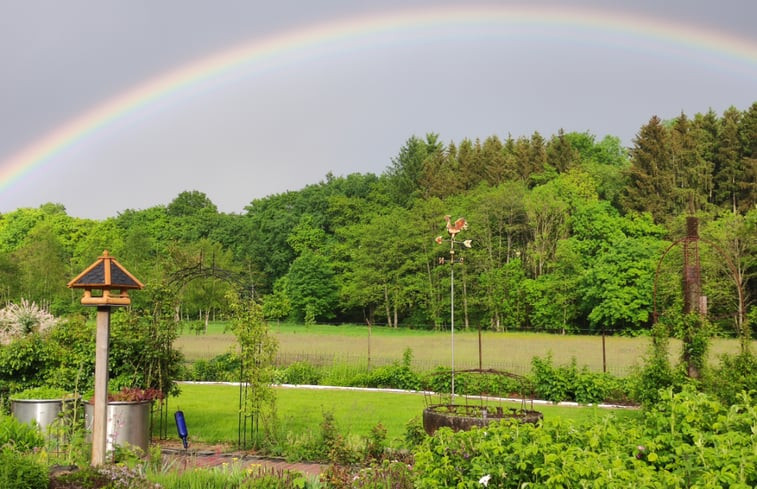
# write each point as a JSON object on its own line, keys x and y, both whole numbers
{"x": 369, "y": 28}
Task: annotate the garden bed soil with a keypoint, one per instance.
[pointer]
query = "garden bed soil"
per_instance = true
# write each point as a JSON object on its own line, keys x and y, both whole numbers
{"x": 175, "y": 457}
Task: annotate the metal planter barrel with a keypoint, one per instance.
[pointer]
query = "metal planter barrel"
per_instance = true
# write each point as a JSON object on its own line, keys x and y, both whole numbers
{"x": 127, "y": 423}
{"x": 40, "y": 411}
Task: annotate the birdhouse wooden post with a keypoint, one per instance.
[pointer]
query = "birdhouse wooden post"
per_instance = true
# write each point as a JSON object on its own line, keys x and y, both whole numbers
{"x": 106, "y": 284}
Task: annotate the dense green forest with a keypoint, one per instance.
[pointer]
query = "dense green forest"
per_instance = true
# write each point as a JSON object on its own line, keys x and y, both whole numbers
{"x": 567, "y": 234}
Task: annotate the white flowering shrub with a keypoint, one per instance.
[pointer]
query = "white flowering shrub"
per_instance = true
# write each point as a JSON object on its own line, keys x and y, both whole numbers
{"x": 17, "y": 320}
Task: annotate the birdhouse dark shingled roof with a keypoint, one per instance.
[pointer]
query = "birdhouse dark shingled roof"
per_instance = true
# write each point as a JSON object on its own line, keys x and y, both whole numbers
{"x": 105, "y": 273}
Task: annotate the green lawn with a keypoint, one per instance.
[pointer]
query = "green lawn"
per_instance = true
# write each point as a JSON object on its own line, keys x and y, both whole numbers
{"x": 211, "y": 411}
{"x": 507, "y": 351}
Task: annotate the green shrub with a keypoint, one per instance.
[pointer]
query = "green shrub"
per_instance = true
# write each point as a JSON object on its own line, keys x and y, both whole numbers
{"x": 221, "y": 368}
{"x": 23, "y": 437}
{"x": 688, "y": 439}
{"x": 21, "y": 471}
{"x": 553, "y": 383}
{"x": 569, "y": 383}
{"x": 344, "y": 375}
{"x": 414, "y": 432}
{"x": 734, "y": 374}
{"x": 375, "y": 443}
{"x": 393, "y": 376}
{"x": 302, "y": 373}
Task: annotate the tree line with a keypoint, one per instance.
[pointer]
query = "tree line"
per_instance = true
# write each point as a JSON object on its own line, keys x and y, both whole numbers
{"x": 566, "y": 235}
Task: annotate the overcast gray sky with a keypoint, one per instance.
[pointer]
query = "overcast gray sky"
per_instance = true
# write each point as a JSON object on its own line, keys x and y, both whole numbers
{"x": 341, "y": 105}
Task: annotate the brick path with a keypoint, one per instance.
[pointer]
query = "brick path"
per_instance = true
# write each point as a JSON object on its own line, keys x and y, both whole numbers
{"x": 217, "y": 455}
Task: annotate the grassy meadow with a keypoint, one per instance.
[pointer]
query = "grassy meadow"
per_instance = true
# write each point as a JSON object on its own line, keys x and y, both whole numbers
{"x": 354, "y": 345}
{"x": 211, "y": 411}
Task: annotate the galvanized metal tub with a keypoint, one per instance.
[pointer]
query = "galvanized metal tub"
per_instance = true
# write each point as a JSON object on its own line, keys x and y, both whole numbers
{"x": 40, "y": 411}
{"x": 128, "y": 422}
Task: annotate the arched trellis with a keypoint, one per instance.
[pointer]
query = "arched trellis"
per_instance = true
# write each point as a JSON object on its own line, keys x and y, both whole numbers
{"x": 692, "y": 236}
{"x": 245, "y": 287}
{"x": 242, "y": 282}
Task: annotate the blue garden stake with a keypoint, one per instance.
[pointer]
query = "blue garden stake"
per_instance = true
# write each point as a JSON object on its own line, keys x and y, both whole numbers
{"x": 181, "y": 427}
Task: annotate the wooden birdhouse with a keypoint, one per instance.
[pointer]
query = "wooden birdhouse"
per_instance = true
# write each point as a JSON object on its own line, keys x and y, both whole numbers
{"x": 106, "y": 283}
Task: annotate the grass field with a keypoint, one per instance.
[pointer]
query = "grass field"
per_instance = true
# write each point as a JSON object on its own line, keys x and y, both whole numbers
{"x": 507, "y": 351}
{"x": 211, "y": 411}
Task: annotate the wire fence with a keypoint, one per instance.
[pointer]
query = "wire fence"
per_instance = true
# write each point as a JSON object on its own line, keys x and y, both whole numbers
{"x": 362, "y": 361}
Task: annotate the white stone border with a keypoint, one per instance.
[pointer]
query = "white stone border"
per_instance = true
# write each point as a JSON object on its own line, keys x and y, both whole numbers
{"x": 429, "y": 393}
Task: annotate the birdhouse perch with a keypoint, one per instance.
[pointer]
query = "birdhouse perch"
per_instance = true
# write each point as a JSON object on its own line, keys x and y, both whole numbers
{"x": 106, "y": 283}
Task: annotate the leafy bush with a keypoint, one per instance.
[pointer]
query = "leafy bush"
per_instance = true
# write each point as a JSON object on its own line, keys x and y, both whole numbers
{"x": 736, "y": 373}
{"x": 343, "y": 375}
{"x": 24, "y": 362}
{"x": 414, "y": 432}
{"x": 21, "y": 471}
{"x": 553, "y": 383}
{"x": 688, "y": 440}
{"x": 221, "y": 368}
{"x": 395, "y": 376}
{"x": 656, "y": 374}
{"x": 375, "y": 443}
{"x": 569, "y": 383}
{"x": 302, "y": 373}
{"x": 21, "y": 436}
{"x": 476, "y": 383}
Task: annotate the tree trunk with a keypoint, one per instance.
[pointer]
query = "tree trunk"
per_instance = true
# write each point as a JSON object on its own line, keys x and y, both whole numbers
{"x": 386, "y": 306}
{"x": 395, "y": 311}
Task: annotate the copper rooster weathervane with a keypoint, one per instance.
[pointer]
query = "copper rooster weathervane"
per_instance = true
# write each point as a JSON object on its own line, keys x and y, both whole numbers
{"x": 453, "y": 229}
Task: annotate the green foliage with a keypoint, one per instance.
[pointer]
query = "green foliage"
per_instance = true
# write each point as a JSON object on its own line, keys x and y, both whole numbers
{"x": 312, "y": 287}
{"x": 477, "y": 384}
{"x": 414, "y": 432}
{"x": 22, "y": 361}
{"x": 385, "y": 474}
{"x": 688, "y": 440}
{"x": 221, "y": 368}
{"x": 734, "y": 374}
{"x": 258, "y": 350}
{"x": 105, "y": 476}
{"x": 21, "y": 471}
{"x": 41, "y": 393}
{"x": 328, "y": 445}
{"x": 394, "y": 376}
{"x": 301, "y": 373}
{"x": 375, "y": 443}
{"x": 233, "y": 476}
{"x": 141, "y": 345}
{"x": 22, "y": 437}
{"x": 569, "y": 383}
{"x": 694, "y": 332}
{"x": 566, "y": 234}
{"x": 656, "y": 372}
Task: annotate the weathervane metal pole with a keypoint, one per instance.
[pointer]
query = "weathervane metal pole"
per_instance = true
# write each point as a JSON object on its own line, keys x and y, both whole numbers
{"x": 453, "y": 229}
{"x": 452, "y": 309}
